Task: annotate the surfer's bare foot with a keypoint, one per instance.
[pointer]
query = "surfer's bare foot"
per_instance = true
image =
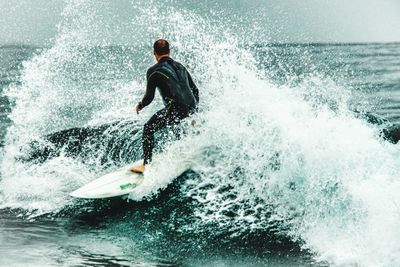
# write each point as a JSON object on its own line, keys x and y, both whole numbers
{"x": 137, "y": 168}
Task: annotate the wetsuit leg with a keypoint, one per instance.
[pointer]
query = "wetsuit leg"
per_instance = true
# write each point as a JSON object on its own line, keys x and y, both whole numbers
{"x": 161, "y": 119}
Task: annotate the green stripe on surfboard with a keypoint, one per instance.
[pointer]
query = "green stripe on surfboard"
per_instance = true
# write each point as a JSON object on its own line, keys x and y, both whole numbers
{"x": 128, "y": 186}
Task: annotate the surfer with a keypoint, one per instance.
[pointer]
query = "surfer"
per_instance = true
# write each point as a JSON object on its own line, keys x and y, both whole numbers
{"x": 179, "y": 94}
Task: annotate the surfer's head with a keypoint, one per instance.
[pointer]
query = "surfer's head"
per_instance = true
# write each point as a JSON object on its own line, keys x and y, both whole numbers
{"x": 161, "y": 48}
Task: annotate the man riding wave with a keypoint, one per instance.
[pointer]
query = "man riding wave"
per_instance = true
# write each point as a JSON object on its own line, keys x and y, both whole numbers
{"x": 178, "y": 91}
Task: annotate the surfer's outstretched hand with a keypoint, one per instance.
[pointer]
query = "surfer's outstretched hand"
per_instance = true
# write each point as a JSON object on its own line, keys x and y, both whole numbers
{"x": 138, "y": 109}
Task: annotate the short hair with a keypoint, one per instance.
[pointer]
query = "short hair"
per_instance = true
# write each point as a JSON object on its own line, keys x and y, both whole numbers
{"x": 161, "y": 47}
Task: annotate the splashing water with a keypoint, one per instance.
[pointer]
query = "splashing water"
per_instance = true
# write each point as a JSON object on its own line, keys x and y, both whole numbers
{"x": 291, "y": 155}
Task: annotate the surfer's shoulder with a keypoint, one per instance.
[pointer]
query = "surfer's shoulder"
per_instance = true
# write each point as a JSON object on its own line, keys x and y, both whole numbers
{"x": 156, "y": 69}
{"x": 152, "y": 70}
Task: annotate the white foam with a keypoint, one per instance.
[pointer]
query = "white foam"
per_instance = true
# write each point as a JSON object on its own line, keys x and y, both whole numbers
{"x": 336, "y": 185}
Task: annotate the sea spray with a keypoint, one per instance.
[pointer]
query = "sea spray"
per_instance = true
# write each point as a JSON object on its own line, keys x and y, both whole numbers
{"x": 292, "y": 155}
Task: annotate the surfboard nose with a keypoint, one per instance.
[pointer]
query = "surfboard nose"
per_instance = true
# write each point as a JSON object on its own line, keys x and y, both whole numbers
{"x": 79, "y": 194}
{"x": 88, "y": 195}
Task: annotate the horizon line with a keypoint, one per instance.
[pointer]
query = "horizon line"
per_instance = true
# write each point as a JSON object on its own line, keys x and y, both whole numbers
{"x": 12, "y": 45}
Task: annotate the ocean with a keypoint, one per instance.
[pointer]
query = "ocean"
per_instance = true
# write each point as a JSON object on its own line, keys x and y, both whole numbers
{"x": 293, "y": 162}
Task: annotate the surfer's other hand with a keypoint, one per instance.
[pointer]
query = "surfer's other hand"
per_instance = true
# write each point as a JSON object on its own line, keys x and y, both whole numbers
{"x": 138, "y": 109}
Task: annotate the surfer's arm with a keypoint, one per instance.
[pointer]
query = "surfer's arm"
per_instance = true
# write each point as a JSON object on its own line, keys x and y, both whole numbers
{"x": 150, "y": 90}
{"x": 194, "y": 88}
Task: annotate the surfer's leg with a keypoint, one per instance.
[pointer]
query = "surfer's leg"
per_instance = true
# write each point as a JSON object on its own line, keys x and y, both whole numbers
{"x": 176, "y": 118}
{"x": 156, "y": 122}
{"x": 163, "y": 118}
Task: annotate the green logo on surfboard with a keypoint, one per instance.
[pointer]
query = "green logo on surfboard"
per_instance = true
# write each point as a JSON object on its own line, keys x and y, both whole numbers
{"x": 128, "y": 186}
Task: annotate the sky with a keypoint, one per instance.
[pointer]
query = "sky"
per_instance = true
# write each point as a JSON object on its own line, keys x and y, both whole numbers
{"x": 35, "y": 21}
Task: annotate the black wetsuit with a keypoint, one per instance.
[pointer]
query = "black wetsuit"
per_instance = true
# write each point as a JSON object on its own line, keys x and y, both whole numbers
{"x": 180, "y": 96}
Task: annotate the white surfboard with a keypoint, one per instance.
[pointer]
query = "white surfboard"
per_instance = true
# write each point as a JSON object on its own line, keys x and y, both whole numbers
{"x": 118, "y": 183}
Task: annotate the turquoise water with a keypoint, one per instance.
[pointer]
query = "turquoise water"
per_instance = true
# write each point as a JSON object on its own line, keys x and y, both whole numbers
{"x": 288, "y": 165}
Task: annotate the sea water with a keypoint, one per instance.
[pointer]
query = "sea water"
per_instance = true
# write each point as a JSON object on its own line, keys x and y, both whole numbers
{"x": 283, "y": 167}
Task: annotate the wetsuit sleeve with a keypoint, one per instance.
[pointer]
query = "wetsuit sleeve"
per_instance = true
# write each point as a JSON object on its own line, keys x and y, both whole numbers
{"x": 150, "y": 90}
{"x": 194, "y": 88}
